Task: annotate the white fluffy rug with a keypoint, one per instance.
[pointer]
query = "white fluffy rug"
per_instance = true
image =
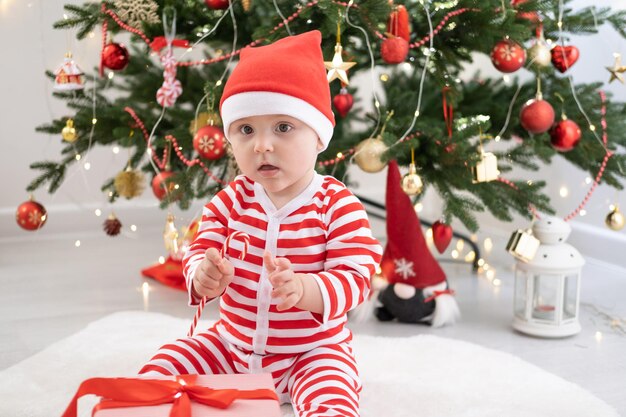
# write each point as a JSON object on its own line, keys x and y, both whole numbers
{"x": 419, "y": 376}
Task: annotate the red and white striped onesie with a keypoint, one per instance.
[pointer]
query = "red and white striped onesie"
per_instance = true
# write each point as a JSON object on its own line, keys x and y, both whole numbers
{"x": 324, "y": 231}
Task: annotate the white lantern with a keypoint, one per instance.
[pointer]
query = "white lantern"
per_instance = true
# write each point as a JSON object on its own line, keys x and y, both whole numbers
{"x": 547, "y": 287}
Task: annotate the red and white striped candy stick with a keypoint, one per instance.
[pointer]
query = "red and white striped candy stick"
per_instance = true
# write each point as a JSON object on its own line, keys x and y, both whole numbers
{"x": 223, "y": 251}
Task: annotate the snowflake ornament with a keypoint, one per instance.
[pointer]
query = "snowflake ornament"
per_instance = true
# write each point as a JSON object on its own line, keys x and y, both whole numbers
{"x": 404, "y": 268}
{"x": 135, "y": 12}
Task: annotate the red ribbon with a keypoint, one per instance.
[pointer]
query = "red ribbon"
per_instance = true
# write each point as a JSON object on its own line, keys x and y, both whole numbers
{"x": 448, "y": 111}
{"x": 437, "y": 294}
{"x": 135, "y": 392}
{"x": 159, "y": 43}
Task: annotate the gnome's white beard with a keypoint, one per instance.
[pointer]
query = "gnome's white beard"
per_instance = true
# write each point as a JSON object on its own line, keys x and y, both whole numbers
{"x": 446, "y": 308}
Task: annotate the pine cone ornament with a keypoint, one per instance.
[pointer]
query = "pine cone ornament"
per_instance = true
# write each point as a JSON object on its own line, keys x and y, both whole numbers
{"x": 112, "y": 225}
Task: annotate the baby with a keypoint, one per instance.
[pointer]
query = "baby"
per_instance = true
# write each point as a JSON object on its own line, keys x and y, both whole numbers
{"x": 311, "y": 252}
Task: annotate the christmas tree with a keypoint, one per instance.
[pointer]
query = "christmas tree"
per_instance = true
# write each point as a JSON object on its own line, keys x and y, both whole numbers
{"x": 161, "y": 104}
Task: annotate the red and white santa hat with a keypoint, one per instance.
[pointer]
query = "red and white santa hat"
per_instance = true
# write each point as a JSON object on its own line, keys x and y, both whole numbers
{"x": 287, "y": 77}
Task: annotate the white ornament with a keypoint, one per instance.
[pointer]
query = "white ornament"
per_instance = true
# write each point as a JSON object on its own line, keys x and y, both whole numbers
{"x": 134, "y": 12}
{"x": 539, "y": 54}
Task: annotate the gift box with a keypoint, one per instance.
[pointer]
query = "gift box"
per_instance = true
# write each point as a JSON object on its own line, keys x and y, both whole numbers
{"x": 241, "y": 395}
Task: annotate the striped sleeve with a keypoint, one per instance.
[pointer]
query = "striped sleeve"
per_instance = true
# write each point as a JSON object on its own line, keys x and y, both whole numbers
{"x": 212, "y": 233}
{"x": 352, "y": 256}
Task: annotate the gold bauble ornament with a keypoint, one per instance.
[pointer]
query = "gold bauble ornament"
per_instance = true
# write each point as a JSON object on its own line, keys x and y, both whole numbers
{"x": 368, "y": 155}
{"x": 539, "y": 54}
{"x": 69, "y": 132}
{"x": 411, "y": 182}
{"x": 129, "y": 183}
{"x": 615, "y": 219}
{"x": 204, "y": 119}
{"x": 246, "y": 5}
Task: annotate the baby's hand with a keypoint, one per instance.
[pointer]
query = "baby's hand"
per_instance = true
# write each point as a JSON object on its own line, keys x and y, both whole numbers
{"x": 213, "y": 275}
{"x": 287, "y": 284}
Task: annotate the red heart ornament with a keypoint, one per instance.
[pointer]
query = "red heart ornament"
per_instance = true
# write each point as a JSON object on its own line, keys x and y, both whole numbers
{"x": 563, "y": 57}
{"x": 343, "y": 102}
{"x": 442, "y": 235}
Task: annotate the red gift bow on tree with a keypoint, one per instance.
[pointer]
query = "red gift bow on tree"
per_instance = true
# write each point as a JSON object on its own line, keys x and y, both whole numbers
{"x": 136, "y": 392}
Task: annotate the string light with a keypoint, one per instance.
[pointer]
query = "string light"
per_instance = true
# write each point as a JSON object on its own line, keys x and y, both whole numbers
{"x": 488, "y": 245}
{"x": 161, "y": 260}
{"x": 563, "y": 191}
{"x": 98, "y": 212}
{"x": 133, "y": 228}
{"x": 598, "y": 336}
{"x": 77, "y": 157}
{"x": 77, "y": 243}
{"x": 419, "y": 207}
{"x": 454, "y": 254}
{"x": 87, "y": 166}
{"x": 116, "y": 150}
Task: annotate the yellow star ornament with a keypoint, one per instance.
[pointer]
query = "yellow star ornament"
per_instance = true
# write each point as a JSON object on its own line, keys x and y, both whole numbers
{"x": 617, "y": 70}
{"x": 337, "y": 68}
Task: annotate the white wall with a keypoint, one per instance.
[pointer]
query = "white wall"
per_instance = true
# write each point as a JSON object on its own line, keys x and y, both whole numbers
{"x": 30, "y": 45}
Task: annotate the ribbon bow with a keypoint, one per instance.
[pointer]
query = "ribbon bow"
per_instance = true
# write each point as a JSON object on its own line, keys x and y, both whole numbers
{"x": 135, "y": 392}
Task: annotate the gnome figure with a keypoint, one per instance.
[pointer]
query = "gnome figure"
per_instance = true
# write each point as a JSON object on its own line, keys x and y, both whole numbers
{"x": 418, "y": 291}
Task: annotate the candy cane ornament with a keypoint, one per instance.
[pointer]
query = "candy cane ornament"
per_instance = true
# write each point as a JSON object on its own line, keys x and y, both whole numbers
{"x": 223, "y": 252}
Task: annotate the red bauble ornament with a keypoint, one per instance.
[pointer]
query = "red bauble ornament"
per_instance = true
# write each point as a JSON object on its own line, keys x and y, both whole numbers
{"x": 217, "y": 4}
{"x": 398, "y": 23}
{"x": 530, "y": 15}
{"x": 115, "y": 56}
{"x": 159, "y": 182}
{"x": 563, "y": 57}
{"x": 565, "y": 135}
{"x": 31, "y": 215}
{"x": 508, "y": 56}
{"x": 442, "y": 235}
{"x": 210, "y": 142}
{"x": 536, "y": 116}
{"x": 394, "y": 50}
{"x": 343, "y": 102}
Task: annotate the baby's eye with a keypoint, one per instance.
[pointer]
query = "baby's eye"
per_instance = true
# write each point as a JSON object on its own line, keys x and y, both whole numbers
{"x": 283, "y": 127}
{"x": 246, "y": 129}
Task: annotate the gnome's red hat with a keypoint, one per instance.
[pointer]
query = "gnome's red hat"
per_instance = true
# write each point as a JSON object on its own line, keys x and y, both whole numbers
{"x": 287, "y": 77}
{"x": 407, "y": 258}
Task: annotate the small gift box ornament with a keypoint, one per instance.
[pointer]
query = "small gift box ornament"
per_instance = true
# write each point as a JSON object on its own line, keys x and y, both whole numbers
{"x": 486, "y": 169}
{"x": 523, "y": 245}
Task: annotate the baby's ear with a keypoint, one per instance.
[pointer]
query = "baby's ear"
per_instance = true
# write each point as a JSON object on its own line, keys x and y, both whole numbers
{"x": 320, "y": 144}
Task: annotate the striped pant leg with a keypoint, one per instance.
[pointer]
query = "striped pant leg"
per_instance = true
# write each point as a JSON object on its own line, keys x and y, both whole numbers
{"x": 203, "y": 354}
{"x": 325, "y": 382}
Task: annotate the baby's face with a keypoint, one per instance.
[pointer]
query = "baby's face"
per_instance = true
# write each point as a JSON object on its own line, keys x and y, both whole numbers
{"x": 277, "y": 151}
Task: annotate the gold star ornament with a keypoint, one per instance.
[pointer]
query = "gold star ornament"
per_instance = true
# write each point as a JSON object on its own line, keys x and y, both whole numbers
{"x": 617, "y": 70}
{"x": 337, "y": 68}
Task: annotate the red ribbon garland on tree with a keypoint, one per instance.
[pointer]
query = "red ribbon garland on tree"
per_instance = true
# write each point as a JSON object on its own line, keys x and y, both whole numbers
{"x": 136, "y": 392}
{"x": 448, "y": 111}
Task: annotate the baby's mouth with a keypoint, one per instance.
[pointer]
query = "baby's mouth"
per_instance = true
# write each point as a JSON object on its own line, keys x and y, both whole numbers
{"x": 267, "y": 167}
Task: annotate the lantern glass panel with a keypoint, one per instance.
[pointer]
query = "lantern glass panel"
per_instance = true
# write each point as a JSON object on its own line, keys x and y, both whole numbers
{"x": 571, "y": 295}
{"x": 520, "y": 294}
{"x": 545, "y": 292}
